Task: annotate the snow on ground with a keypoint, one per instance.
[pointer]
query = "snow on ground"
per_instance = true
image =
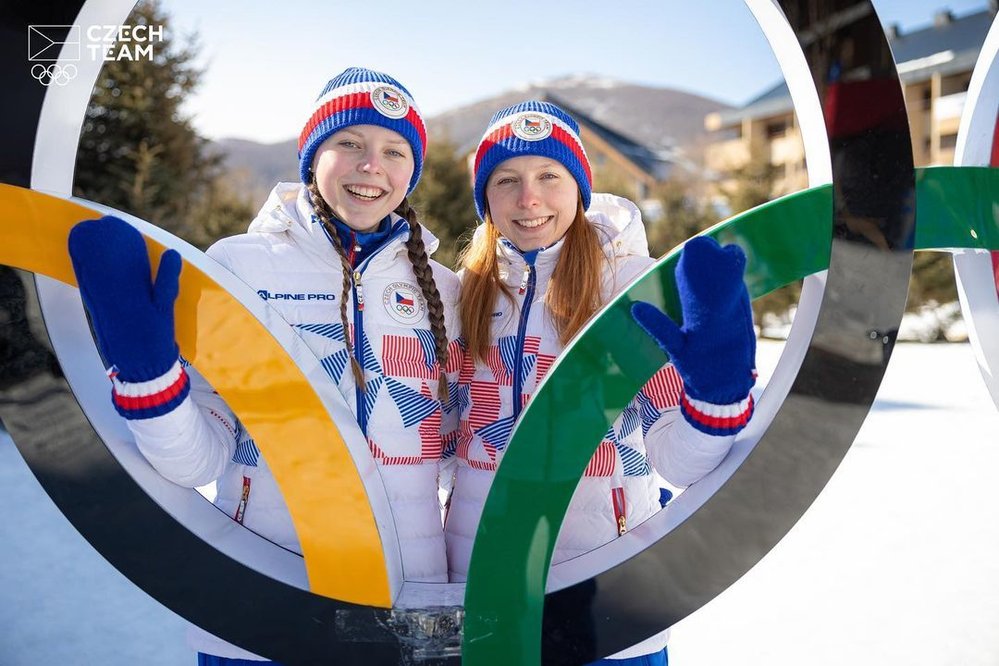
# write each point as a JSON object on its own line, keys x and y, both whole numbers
{"x": 60, "y": 602}
{"x": 897, "y": 562}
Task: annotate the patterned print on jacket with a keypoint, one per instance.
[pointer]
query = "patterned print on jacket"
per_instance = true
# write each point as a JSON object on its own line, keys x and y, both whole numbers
{"x": 404, "y": 382}
{"x": 483, "y": 435}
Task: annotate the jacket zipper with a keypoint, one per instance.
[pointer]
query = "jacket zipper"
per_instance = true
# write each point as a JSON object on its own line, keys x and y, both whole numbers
{"x": 620, "y": 517}
{"x": 362, "y": 410}
{"x": 357, "y": 289}
{"x": 527, "y": 285}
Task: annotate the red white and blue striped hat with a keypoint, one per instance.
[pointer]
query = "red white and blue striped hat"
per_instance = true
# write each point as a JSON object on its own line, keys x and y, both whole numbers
{"x": 359, "y": 96}
{"x": 531, "y": 128}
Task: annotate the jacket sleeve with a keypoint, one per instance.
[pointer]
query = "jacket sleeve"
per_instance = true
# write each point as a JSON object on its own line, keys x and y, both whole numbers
{"x": 680, "y": 453}
{"x": 193, "y": 444}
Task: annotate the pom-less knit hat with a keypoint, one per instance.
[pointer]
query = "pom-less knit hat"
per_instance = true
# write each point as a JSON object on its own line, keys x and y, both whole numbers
{"x": 531, "y": 128}
{"x": 359, "y": 96}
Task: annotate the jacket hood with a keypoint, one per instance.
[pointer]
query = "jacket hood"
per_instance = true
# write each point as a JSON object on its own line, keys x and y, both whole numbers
{"x": 619, "y": 224}
{"x": 288, "y": 208}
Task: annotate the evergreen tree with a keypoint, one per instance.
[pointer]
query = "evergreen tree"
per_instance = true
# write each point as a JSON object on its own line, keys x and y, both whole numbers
{"x": 139, "y": 153}
{"x": 684, "y": 215}
{"x": 444, "y": 199}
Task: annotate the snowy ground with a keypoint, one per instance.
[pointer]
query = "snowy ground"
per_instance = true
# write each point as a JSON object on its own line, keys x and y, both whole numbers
{"x": 897, "y": 562}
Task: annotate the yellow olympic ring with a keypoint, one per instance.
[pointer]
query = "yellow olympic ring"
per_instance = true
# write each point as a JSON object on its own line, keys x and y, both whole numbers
{"x": 318, "y": 477}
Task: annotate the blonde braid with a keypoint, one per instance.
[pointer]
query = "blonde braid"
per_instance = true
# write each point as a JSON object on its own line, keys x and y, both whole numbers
{"x": 325, "y": 214}
{"x": 425, "y": 278}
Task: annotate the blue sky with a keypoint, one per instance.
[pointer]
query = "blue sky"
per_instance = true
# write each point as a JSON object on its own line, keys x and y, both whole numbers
{"x": 266, "y": 62}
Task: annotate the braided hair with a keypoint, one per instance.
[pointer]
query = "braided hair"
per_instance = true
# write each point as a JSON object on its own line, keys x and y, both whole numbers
{"x": 425, "y": 278}
{"x": 421, "y": 269}
{"x": 325, "y": 214}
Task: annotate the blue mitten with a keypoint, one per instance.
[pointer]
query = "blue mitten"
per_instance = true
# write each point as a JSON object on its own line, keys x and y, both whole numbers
{"x": 715, "y": 350}
{"x": 132, "y": 316}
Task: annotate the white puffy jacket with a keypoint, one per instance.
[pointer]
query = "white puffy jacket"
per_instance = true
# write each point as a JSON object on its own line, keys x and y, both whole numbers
{"x": 288, "y": 259}
{"x": 649, "y": 435}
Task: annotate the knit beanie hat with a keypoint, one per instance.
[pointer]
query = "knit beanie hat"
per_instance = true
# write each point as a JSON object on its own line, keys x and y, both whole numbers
{"x": 359, "y": 96}
{"x": 531, "y": 128}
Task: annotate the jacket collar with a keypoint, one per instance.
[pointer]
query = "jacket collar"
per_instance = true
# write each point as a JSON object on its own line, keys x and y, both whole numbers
{"x": 288, "y": 209}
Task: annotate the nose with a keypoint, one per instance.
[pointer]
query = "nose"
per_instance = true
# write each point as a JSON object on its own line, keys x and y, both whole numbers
{"x": 528, "y": 195}
{"x": 370, "y": 162}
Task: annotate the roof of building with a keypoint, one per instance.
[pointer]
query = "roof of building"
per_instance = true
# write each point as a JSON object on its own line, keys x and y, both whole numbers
{"x": 945, "y": 48}
{"x": 655, "y": 164}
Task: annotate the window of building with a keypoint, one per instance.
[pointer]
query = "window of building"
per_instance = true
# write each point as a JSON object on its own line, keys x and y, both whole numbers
{"x": 948, "y": 141}
{"x": 776, "y": 129}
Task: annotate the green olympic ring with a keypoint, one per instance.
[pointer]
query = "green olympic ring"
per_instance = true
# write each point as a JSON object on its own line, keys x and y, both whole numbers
{"x": 956, "y": 208}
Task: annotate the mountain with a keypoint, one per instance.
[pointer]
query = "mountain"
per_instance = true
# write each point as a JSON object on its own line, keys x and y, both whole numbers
{"x": 660, "y": 118}
{"x": 253, "y": 168}
{"x": 663, "y": 119}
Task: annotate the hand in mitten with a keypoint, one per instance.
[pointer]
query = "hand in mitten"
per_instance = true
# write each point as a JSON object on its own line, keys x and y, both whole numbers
{"x": 714, "y": 351}
{"x": 132, "y": 315}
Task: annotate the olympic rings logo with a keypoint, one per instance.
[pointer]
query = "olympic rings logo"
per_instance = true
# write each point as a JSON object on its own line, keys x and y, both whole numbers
{"x": 54, "y": 74}
{"x": 351, "y": 588}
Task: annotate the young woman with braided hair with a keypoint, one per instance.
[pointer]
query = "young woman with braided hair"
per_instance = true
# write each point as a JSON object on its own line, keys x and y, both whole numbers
{"x": 548, "y": 255}
{"x": 342, "y": 257}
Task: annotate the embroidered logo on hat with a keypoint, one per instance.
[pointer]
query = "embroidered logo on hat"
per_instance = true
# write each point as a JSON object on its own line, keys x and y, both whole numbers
{"x": 390, "y": 102}
{"x": 531, "y": 127}
{"x": 404, "y": 302}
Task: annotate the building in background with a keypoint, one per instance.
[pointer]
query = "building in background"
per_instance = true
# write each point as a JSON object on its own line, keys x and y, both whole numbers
{"x": 935, "y": 65}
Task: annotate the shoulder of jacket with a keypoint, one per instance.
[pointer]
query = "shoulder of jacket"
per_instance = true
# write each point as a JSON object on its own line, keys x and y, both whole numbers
{"x": 445, "y": 277}
{"x": 244, "y": 242}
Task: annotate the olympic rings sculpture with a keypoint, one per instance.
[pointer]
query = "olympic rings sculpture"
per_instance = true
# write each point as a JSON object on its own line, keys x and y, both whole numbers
{"x": 346, "y": 598}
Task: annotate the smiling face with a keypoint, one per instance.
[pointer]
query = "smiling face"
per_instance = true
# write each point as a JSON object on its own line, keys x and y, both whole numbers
{"x": 532, "y": 201}
{"x": 363, "y": 172}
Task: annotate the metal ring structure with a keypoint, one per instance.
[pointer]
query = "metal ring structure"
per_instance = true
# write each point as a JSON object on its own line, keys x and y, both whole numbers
{"x": 974, "y": 269}
{"x": 742, "y": 508}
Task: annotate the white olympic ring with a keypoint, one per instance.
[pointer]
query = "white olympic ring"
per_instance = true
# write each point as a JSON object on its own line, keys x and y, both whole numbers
{"x": 57, "y": 74}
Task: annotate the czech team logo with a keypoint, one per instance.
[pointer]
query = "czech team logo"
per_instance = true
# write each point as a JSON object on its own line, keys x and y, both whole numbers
{"x": 404, "y": 302}
{"x": 390, "y": 101}
{"x": 532, "y": 127}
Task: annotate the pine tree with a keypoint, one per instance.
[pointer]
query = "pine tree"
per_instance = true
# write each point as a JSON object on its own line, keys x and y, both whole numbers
{"x": 139, "y": 153}
{"x": 684, "y": 215}
{"x": 444, "y": 199}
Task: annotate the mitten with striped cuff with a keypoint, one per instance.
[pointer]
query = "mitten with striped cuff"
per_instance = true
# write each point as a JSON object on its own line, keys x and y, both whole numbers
{"x": 714, "y": 351}
{"x": 132, "y": 315}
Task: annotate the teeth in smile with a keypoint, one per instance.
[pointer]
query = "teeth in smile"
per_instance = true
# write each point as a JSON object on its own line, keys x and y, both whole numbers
{"x": 369, "y": 193}
{"x": 534, "y": 221}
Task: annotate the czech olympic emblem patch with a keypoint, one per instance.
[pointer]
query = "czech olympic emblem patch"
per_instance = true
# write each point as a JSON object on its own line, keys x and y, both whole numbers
{"x": 404, "y": 302}
{"x": 390, "y": 102}
{"x": 532, "y": 127}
